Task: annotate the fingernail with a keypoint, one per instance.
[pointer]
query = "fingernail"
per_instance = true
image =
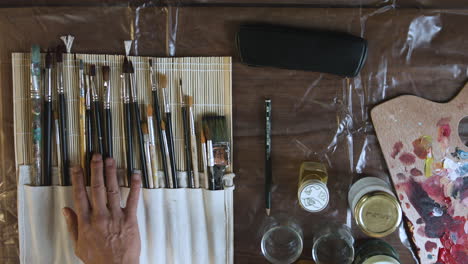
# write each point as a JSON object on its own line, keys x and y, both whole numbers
{"x": 136, "y": 175}
{"x": 97, "y": 157}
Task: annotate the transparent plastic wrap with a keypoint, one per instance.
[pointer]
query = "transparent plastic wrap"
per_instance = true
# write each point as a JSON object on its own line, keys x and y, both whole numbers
{"x": 316, "y": 116}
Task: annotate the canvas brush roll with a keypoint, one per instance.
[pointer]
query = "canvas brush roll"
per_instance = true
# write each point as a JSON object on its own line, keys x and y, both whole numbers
{"x": 301, "y": 49}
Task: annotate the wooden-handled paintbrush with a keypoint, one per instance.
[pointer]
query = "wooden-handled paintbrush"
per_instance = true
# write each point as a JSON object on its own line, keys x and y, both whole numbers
{"x": 36, "y": 114}
{"x": 193, "y": 142}
{"x": 107, "y": 111}
{"x": 137, "y": 121}
{"x": 170, "y": 135}
{"x": 96, "y": 109}
{"x": 157, "y": 112}
{"x": 215, "y": 128}
{"x": 186, "y": 128}
{"x": 127, "y": 119}
{"x": 47, "y": 178}
{"x": 62, "y": 116}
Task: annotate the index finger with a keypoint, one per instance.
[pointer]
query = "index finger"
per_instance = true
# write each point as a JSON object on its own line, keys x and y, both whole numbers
{"x": 80, "y": 197}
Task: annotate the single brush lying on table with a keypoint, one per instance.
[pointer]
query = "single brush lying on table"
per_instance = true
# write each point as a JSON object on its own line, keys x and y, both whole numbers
{"x": 150, "y": 136}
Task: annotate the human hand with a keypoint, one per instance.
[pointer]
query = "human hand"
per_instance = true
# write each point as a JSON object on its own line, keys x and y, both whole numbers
{"x": 101, "y": 230}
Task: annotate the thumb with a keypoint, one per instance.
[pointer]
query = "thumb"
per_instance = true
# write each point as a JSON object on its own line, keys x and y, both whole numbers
{"x": 72, "y": 222}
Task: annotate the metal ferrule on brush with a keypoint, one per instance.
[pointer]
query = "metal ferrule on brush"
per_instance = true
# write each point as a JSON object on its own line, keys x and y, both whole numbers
{"x": 93, "y": 89}
{"x": 82, "y": 83}
{"x": 125, "y": 87}
{"x": 166, "y": 101}
{"x": 209, "y": 146}
{"x": 60, "y": 88}
{"x": 88, "y": 95}
{"x": 107, "y": 95}
{"x": 154, "y": 87}
{"x": 133, "y": 93}
{"x": 48, "y": 85}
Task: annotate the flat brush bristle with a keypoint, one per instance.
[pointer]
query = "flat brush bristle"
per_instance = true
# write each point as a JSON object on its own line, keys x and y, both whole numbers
{"x": 105, "y": 73}
{"x": 59, "y": 53}
{"x": 215, "y": 128}
{"x": 92, "y": 70}
{"x": 48, "y": 60}
{"x": 149, "y": 111}
{"x": 162, "y": 80}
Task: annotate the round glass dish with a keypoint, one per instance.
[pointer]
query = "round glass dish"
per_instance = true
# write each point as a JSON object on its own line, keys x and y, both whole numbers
{"x": 282, "y": 244}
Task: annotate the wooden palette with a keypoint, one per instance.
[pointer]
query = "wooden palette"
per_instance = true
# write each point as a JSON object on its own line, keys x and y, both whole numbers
{"x": 428, "y": 163}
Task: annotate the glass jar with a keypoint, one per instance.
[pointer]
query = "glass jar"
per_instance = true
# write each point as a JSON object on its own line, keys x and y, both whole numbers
{"x": 312, "y": 194}
{"x": 376, "y": 251}
{"x": 282, "y": 240}
{"x": 333, "y": 245}
{"x": 375, "y": 208}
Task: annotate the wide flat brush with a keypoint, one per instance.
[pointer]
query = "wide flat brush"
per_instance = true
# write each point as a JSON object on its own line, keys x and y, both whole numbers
{"x": 127, "y": 119}
{"x": 82, "y": 115}
{"x": 96, "y": 109}
{"x": 36, "y": 114}
{"x": 107, "y": 111}
{"x": 137, "y": 120}
{"x": 170, "y": 136}
{"x": 62, "y": 116}
{"x": 157, "y": 112}
{"x": 47, "y": 177}
{"x": 186, "y": 130}
{"x": 215, "y": 128}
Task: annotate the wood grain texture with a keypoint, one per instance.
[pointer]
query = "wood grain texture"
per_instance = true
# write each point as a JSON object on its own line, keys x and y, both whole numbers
{"x": 417, "y": 138}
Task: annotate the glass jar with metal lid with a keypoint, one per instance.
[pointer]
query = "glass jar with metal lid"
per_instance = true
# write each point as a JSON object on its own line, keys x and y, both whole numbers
{"x": 376, "y": 251}
{"x": 375, "y": 208}
{"x": 312, "y": 190}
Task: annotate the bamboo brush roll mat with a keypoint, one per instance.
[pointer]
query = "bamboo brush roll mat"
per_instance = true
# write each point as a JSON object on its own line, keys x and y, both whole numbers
{"x": 207, "y": 79}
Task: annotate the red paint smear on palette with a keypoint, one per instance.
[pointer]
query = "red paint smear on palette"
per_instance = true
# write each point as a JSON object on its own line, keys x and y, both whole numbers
{"x": 429, "y": 246}
{"x": 396, "y": 149}
{"x": 415, "y": 172}
{"x": 422, "y": 146}
{"x": 444, "y": 129}
{"x": 407, "y": 158}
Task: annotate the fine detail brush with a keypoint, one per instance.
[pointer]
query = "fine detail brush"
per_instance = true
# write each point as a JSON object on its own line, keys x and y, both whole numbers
{"x": 186, "y": 130}
{"x": 268, "y": 171}
{"x": 170, "y": 135}
{"x": 127, "y": 119}
{"x": 205, "y": 158}
{"x": 144, "y": 128}
{"x": 62, "y": 116}
{"x": 137, "y": 121}
{"x": 96, "y": 109}
{"x": 36, "y": 114}
{"x": 89, "y": 130}
{"x": 166, "y": 154}
{"x": 152, "y": 147}
{"x": 157, "y": 112}
{"x": 82, "y": 115}
{"x": 193, "y": 142}
{"x": 215, "y": 128}
{"x": 107, "y": 111}
{"x": 47, "y": 177}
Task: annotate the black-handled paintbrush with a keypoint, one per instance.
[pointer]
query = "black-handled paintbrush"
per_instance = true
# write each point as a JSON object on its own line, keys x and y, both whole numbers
{"x": 47, "y": 177}
{"x": 156, "y": 109}
{"x": 268, "y": 171}
{"x": 127, "y": 119}
{"x": 186, "y": 128}
{"x": 137, "y": 121}
{"x": 96, "y": 109}
{"x": 89, "y": 129}
{"x": 62, "y": 116}
{"x": 107, "y": 111}
{"x": 170, "y": 136}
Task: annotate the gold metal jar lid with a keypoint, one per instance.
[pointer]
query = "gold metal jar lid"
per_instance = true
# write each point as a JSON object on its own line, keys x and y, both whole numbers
{"x": 378, "y": 214}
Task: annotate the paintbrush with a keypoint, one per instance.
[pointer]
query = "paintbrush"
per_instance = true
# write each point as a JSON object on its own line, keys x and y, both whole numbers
{"x": 127, "y": 119}
{"x": 154, "y": 91}
{"x": 215, "y": 128}
{"x": 47, "y": 177}
{"x": 210, "y": 164}
{"x": 57, "y": 146}
{"x": 152, "y": 147}
{"x": 89, "y": 130}
{"x": 82, "y": 115}
{"x": 166, "y": 154}
{"x": 186, "y": 130}
{"x": 144, "y": 128}
{"x": 193, "y": 142}
{"x": 36, "y": 114}
{"x": 137, "y": 121}
{"x": 62, "y": 115}
{"x": 204, "y": 157}
{"x": 268, "y": 171}
{"x": 96, "y": 109}
{"x": 170, "y": 134}
{"x": 107, "y": 111}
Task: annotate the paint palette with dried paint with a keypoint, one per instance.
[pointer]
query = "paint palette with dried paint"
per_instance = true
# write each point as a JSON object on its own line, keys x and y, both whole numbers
{"x": 428, "y": 163}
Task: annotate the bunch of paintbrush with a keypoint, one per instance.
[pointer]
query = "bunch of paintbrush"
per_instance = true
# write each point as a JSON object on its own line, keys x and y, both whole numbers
{"x": 218, "y": 149}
